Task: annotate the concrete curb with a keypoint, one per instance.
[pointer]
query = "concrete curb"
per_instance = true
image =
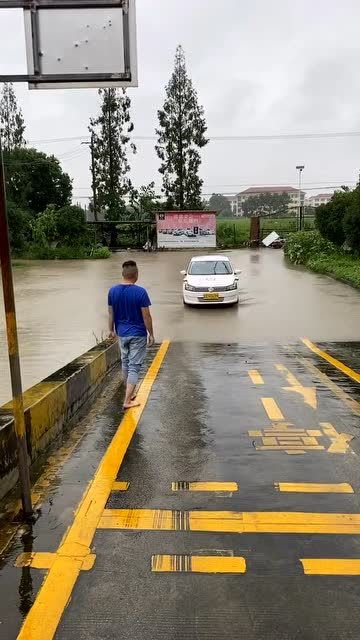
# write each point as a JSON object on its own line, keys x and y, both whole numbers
{"x": 51, "y": 404}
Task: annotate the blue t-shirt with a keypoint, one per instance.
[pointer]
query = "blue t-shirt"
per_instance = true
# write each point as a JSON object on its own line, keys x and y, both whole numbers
{"x": 127, "y": 300}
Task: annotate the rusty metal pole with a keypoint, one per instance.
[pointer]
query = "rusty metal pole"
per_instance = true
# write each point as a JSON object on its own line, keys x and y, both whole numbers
{"x": 13, "y": 349}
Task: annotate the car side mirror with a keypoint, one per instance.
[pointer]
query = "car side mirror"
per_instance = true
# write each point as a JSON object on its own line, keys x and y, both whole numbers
{"x": 183, "y": 272}
{"x": 237, "y": 272}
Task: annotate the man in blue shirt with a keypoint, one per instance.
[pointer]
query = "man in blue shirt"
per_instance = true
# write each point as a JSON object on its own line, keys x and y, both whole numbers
{"x": 130, "y": 319}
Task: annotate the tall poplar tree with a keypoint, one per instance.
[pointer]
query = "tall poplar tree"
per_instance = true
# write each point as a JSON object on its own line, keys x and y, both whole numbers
{"x": 12, "y": 124}
{"x": 181, "y": 133}
{"x": 111, "y": 148}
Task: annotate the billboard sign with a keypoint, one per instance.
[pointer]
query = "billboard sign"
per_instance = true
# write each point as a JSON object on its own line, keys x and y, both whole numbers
{"x": 182, "y": 229}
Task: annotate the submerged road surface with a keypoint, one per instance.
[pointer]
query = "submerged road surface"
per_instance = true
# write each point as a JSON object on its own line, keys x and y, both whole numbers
{"x": 61, "y": 307}
{"x": 227, "y": 506}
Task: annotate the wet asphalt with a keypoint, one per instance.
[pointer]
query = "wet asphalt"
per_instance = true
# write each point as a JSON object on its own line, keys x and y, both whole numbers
{"x": 62, "y": 306}
{"x": 195, "y": 427}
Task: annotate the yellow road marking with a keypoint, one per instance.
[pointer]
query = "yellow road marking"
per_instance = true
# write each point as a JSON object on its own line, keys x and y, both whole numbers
{"x": 331, "y": 566}
{"x": 272, "y": 409}
{"x": 339, "y": 441}
{"x": 198, "y": 564}
{"x": 308, "y": 393}
{"x": 120, "y": 486}
{"x": 340, "y": 393}
{"x": 205, "y": 486}
{"x": 230, "y": 521}
{"x": 255, "y": 376}
{"x": 44, "y": 616}
{"x": 310, "y": 487}
{"x": 38, "y": 560}
{"x": 354, "y": 375}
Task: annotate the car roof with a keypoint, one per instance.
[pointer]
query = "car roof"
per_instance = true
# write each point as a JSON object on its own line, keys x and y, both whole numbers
{"x": 209, "y": 258}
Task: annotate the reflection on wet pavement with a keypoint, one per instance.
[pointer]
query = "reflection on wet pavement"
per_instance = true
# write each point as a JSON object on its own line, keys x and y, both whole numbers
{"x": 62, "y": 306}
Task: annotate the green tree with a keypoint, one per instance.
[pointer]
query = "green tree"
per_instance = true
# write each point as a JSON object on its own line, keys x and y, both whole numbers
{"x": 329, "y": 218}
{"x": 72, "y": 230}
{"x": 111, "y": 150}
{"x": 351, "y": 223}
{"x": 267, "y": 204}
{"x": 64, "y": 227}
{"x": 19, "y": 226}
{"x": 12, "y": 124}
{"x": 219, "y": 203}
{"x": 181, "y": 133}
{"x": 34, "y": 180}
{"x": 144, "y": 202}
{"x": 44, "y": 227}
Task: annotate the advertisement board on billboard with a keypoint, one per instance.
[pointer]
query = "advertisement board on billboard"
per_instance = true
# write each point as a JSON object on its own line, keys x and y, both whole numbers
{"x": 182, "y": 229}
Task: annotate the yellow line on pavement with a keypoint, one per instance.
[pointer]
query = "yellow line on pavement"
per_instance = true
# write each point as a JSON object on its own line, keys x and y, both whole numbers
{"x": 354, "y": 375}
{"x": 255, "y": 376}
{"x": 44, "y": 616}
{"x": 350, "y": 402}
{"x": 120, "y": 486}
{"x": 205, "y": 486}
{"x": 198, "y": 564}
{"x": 310, "y": 487}
{"x": 331, "y": 566}
{"x": 272, "y": 409}
{"x": 230, "y": 521}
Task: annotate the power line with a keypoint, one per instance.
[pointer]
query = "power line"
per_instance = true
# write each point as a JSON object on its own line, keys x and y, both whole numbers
{"x": 244, "y": 138}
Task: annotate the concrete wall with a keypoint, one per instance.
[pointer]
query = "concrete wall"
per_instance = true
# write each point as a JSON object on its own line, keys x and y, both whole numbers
{"x": 51, "y": 404}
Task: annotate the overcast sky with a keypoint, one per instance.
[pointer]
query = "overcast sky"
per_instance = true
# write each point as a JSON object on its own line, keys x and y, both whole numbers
{"x": 260, "y": 67}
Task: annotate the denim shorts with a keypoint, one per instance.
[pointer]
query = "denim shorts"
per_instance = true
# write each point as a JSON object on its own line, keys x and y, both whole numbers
{"x": 133, "y": 352}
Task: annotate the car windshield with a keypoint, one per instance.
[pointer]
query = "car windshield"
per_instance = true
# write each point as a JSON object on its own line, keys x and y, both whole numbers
{"x": 210, "y": 268}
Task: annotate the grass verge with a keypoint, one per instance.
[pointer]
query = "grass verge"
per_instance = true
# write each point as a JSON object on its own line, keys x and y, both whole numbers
{"x": 321, "y": 256}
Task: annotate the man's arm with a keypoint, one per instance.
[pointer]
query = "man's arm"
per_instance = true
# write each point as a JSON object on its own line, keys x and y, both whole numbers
{"x": 112, "y": 333}
{"x": 148, "y": 324}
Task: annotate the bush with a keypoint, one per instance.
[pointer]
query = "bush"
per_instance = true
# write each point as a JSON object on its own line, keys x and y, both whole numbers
{"x": 100, "y": 253}
{"x": 321, "y": 256}
{"x": 330, "y": 217}
{"x": 301, "y": 246}
{"x": 35, "y": 252}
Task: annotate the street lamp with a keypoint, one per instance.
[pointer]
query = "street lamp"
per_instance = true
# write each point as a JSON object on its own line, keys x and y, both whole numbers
{"x": 300, "y": 168}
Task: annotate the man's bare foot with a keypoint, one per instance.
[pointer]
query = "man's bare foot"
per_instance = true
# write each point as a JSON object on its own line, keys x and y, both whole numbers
{"x": 131, "y": 404}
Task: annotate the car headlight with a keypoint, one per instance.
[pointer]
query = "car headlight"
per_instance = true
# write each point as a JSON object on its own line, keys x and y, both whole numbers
{"x": 189, "y": 287}
{"x": 232, "y": 286}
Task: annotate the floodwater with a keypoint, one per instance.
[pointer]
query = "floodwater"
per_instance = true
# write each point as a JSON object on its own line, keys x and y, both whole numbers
{"x": 62, "y": 307}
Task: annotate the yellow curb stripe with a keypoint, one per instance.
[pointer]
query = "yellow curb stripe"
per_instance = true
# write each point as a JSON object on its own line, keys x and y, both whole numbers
{"x": 272, "y": 409}
{"x": 255, "y": 376}
{"x": 205, "y": 486}
{"x": 44, "y": 616}
{"x": 38, "y": 560}
{"x": 354, "y": 375}
{"x": 197, "y": 564}
{"x": 331, "y": 566}
{"x": 311, "y": 487}
{"x": 230, "y": 521}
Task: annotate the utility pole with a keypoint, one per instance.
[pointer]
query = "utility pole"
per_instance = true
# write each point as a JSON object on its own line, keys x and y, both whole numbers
{"x": 13, "y": 349}
{"x": 300, "y": 168}
{"x": 91, "y": 144}
{"x": 111, "y": 167}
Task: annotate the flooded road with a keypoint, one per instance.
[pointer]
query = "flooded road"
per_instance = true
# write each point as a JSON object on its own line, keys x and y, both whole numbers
{"x": 62, "y": 307}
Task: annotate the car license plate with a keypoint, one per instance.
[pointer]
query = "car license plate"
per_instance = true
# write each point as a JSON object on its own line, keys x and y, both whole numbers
{"x": 211, "y": 296}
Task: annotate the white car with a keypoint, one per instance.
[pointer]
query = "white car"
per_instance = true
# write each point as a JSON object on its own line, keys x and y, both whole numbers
{"x": 210, "y": 279}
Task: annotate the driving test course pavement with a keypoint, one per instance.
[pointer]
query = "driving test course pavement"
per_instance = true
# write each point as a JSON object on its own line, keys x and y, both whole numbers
{"x": 226, "y": 506}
